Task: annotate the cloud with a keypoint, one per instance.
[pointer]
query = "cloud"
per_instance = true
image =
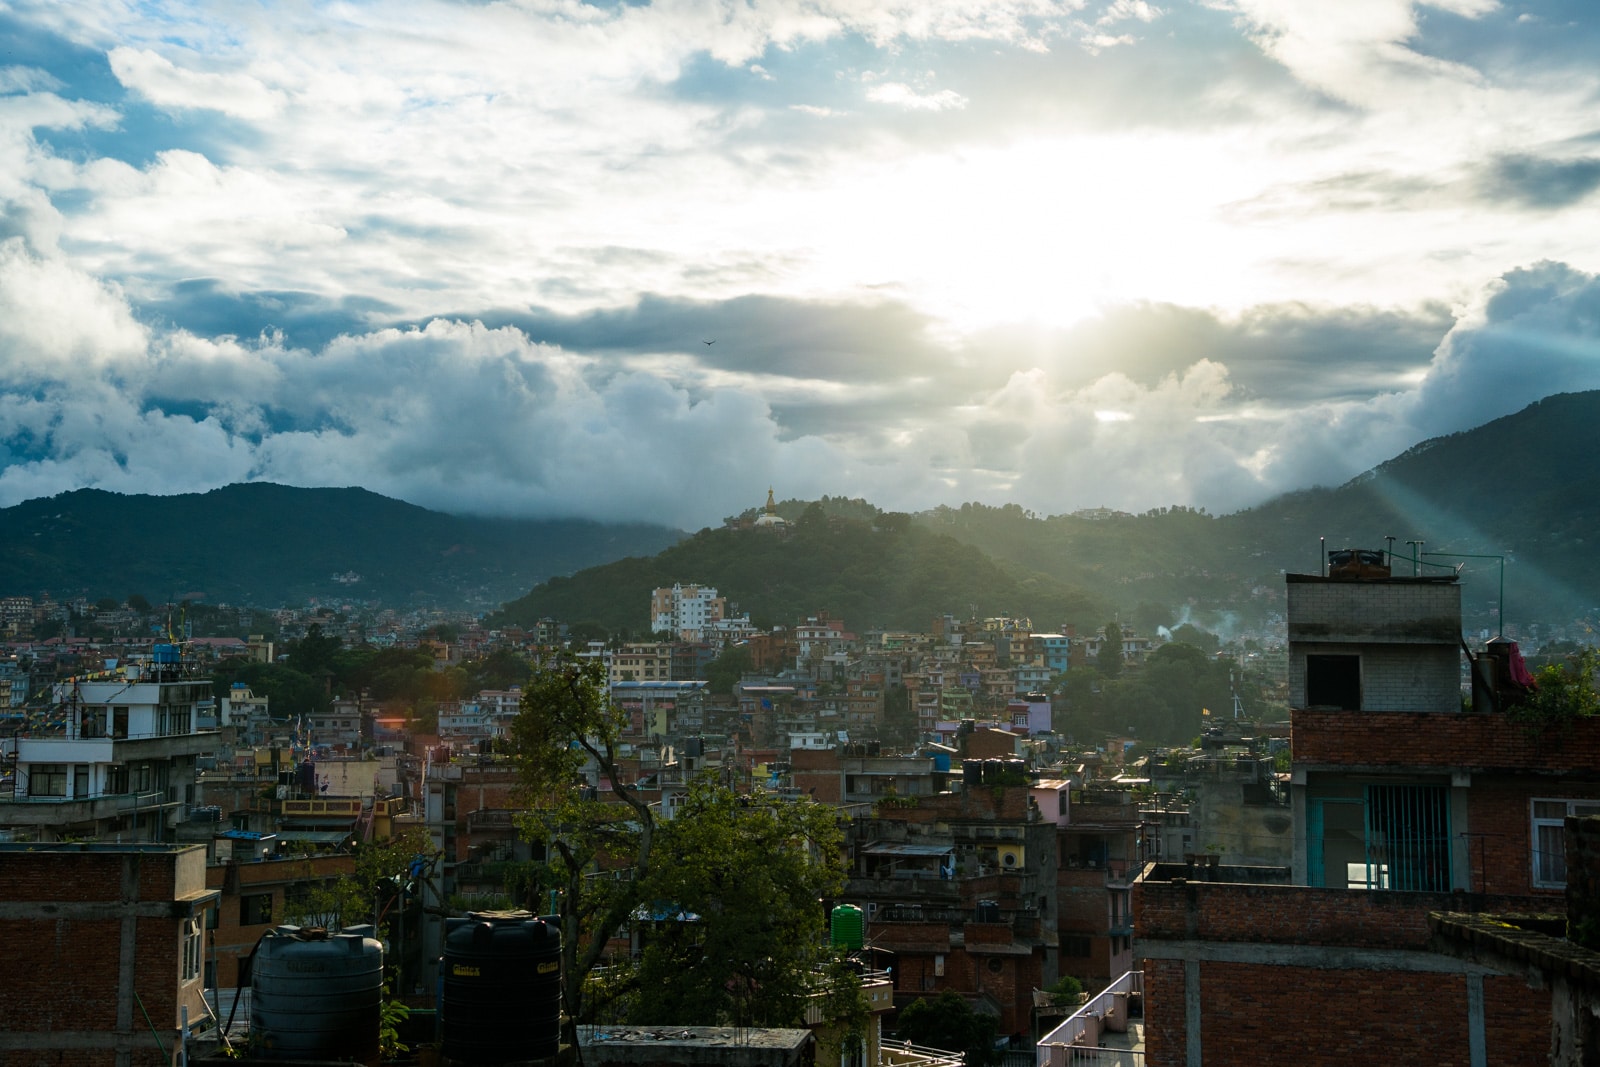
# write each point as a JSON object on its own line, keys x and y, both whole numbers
{"x": 163, "y": 82}
{"x": 1541, "y": 183}
{"x": 1536, "y": 332}
{"x": 900, "y": 95}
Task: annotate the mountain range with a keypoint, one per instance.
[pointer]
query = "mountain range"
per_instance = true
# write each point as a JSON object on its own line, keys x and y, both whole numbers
{"x": 1511, "y": 503}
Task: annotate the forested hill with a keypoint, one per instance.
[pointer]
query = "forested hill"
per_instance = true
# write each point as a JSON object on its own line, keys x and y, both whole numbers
{"x": 872, "y": 572}
{"x": 267, "y": 545}
{"x": 1525, "y": 487}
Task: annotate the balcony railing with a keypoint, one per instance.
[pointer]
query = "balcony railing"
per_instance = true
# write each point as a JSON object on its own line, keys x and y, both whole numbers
{"x": 1092, "y": 1034}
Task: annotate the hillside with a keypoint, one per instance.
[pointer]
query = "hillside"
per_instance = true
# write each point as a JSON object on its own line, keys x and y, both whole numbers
{"x": 269, "y": 544}
{"x": 1522, "y": 487}
{"x": 884, "y": 574}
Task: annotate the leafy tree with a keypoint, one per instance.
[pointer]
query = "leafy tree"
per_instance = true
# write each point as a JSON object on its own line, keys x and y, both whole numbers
{"x": 139, "y": 604}
{"x": 368, "y": 890}
{"x": 1190, "y": 634}
{"x": 288, "y": 691}
{"x": 500, "y": 669}
{"x": 948, "y": 1022}
{"x": 1109, "y": 662}
{"x": 1564, "y": 690}
{"x": 751, "y": 869}
{"x": 106, "y": 603}
{"x": 315, "y": 651}
{"x": 600, "y": 852}
{"x": 724, "y": 672}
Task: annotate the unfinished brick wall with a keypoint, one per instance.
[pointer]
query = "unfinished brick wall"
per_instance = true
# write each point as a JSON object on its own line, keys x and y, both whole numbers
{"x": 1447, "y": 741}
{"x": 65, "y": 920}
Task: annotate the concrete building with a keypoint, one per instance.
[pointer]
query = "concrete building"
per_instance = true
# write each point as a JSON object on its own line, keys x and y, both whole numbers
{"x": 121, "y": 766}
{"x": 685, "y": 611}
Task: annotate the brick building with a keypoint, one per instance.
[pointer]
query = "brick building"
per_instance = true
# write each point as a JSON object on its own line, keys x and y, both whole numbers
{"x": 960, "y": 887}
{"x": 1405, "y": 803}
{"x": 103, "y": 948}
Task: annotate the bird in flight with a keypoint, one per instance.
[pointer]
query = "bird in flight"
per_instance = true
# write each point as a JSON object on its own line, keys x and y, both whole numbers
{"x": 708, "y": 342}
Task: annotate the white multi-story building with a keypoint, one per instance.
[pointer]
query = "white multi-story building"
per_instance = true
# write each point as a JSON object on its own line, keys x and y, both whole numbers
{"x": 122, "y": 766}
{"x": 685, "y": 611}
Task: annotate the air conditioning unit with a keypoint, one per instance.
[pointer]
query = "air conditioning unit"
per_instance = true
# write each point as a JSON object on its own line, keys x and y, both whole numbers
{"x": 1011, "y": 857}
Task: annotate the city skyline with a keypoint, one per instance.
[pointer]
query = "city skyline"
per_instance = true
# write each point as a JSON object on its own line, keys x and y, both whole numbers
{"x": 1057, "y": 254}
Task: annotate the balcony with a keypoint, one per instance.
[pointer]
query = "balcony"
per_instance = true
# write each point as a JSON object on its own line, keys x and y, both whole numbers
{"x": 1107, "y": 1030}
{"x": 65, "y": 811}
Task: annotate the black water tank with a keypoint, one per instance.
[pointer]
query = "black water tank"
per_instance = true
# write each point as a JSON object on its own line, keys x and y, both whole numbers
{"x": 317, "y": 995}
{"x": 501, "y": 988}
{"x": 972, "y": 772}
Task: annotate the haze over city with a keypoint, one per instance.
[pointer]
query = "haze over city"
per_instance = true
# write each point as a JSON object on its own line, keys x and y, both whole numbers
{"x": 641, "y": 261}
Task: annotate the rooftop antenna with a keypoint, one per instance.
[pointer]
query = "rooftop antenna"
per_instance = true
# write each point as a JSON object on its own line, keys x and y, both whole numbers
{"x": 1388, "y": 555}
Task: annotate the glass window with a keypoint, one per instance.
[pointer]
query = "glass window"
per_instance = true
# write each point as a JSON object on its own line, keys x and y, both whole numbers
{"x": 1549, "y": 839}
{"x": 193, "y": 939}
{"x": 47, "y": 780}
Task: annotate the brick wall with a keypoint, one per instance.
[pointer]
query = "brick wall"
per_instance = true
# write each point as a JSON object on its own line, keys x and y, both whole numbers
{"x": 1299, "y": 915}
{"x": 64, "y": 919}
{"x": 1447, "y": 741}
{"x": 1361, "y": 1002}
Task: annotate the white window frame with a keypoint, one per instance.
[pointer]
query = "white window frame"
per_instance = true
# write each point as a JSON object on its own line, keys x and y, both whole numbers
{"x": 1585, "y": 806}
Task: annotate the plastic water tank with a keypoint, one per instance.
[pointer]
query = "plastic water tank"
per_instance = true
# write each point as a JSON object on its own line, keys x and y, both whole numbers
{"x": 972, "y": 772}
{"x": 845, "y": 927}
{"x": 501, "y": 988}
{"x": 317, "y": 995}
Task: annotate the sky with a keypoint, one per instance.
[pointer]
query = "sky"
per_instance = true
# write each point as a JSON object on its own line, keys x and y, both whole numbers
{"x": 643, "y": 261}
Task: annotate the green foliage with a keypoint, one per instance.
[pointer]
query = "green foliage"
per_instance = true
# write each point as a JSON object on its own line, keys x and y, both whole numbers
{"x": 390, "y": 1016}
{"x": 1066, "y": 989}
{"x": 1564, "y": 692}
{"x": 1109, "y": 661}
{"x": 871, "y": 575}
{"x": 600, "y": 850}
{"x": 314, "y": 652}
{"x": 752, "y": 869}
{"x": 289, "y": 692}
{"x": 1160, "y": 701}
{"x": 274, "y": 544}
{"x": 947, "y": 1022}
{"x": 340, "y": 902}
{"x": 724, "y": 672}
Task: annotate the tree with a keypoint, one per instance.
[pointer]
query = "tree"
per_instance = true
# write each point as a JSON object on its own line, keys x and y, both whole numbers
{"x": 1109, "y": 661}
{"x": 340, "y": 902}
{"x": 139, "y": 604}
{"x": 724, "y": 672}
{"x": 750, "y": 870}
{"x": 1190, "y": 634}
{"x": 947, "y": 1022}
{"x": 600, "y": 851}
{"x": 315, "y": 651}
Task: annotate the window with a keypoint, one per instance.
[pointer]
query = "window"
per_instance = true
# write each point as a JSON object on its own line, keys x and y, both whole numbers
{"x": 1549, "y": 839}
{"x": 116, "y": 780}
{"x": 80, "y": 780}
{"x": 1074, "y": 945}
{"x": 92, "y": 723}
{"x": 192, "y": 955}
{"x": 47, "y": 780}
{"x": 119, "y": 723}
{"x": 1333, "y": 682}
{"x": 255, "y": 909}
